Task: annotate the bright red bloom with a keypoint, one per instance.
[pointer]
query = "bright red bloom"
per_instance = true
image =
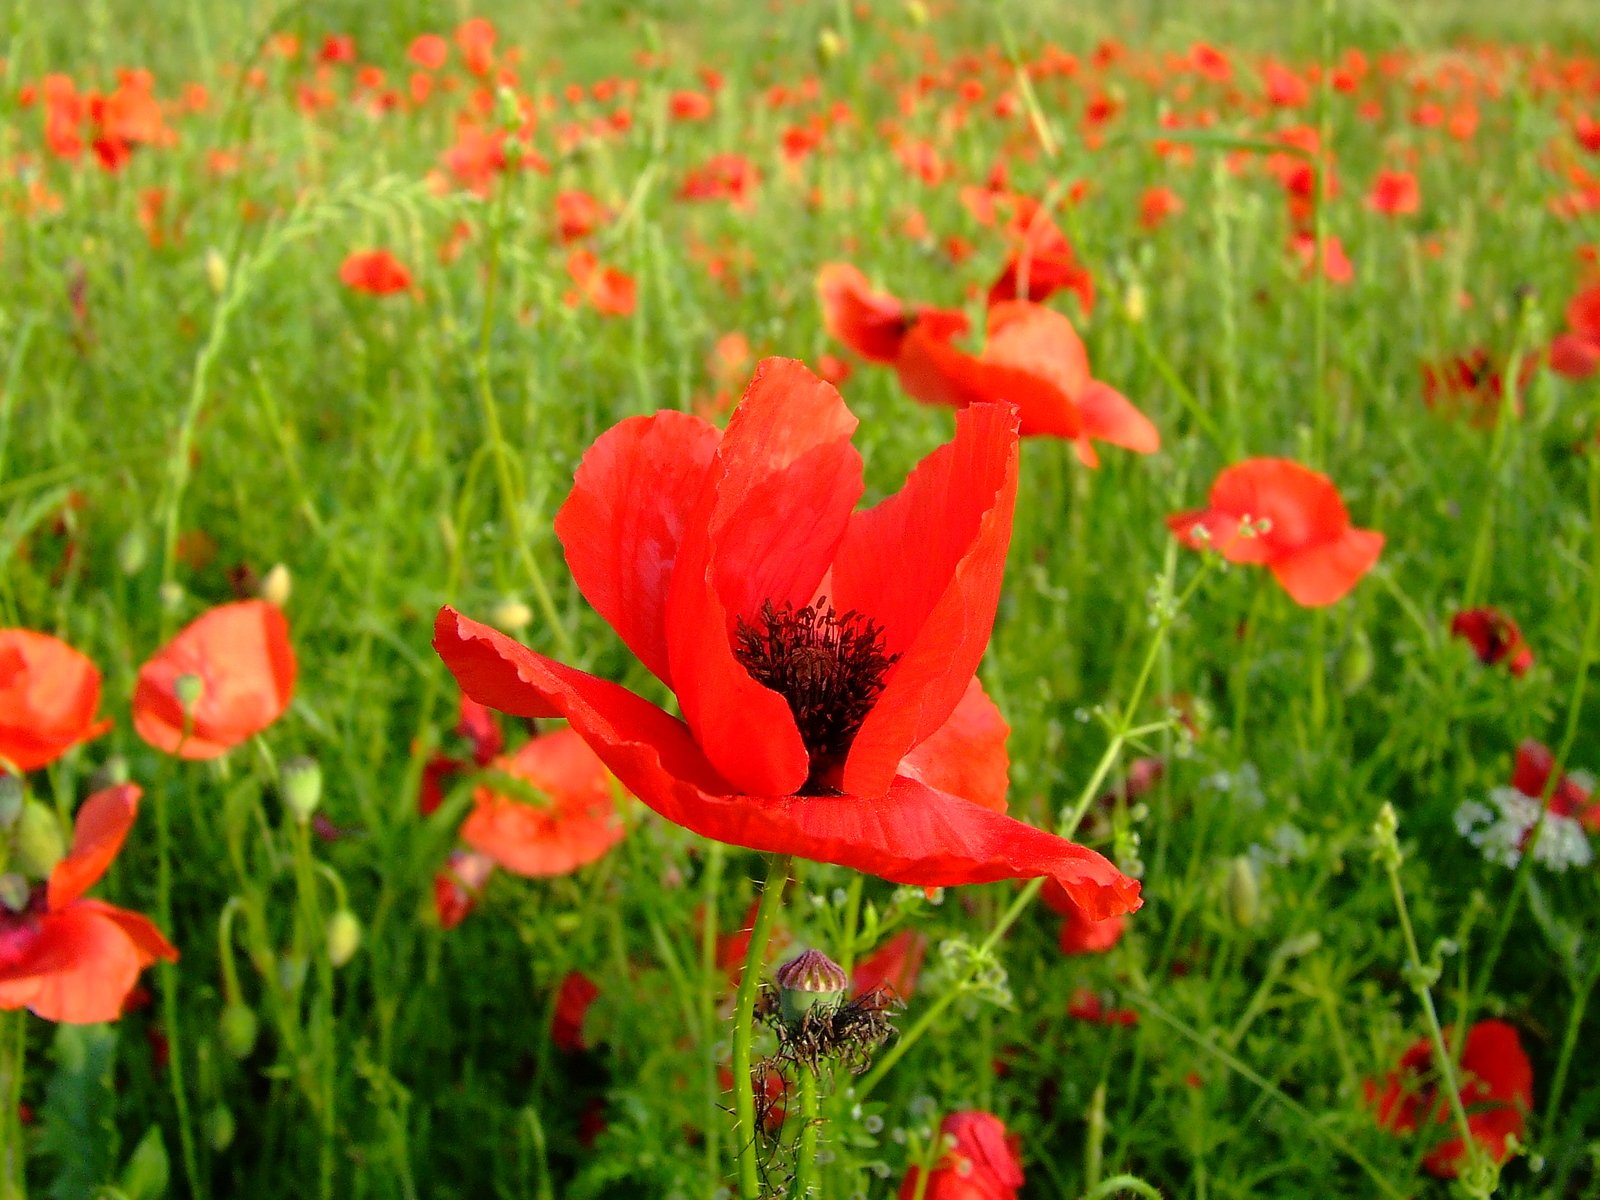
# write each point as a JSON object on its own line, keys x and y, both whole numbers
{"x": 429, "y": 51}
{"x": 1156, "y": 205}
{"x": 572, "y": 823}
{"x": 981, "y": 1163}
{"x": 607, "y": 289}
{"x": 476, "y": 38}
{"x": 48, "y": 696}
{"x": 894, "y": 965}
{"x": 1394, "y": 193}
{"x": 578, "y": 214}
{"x": 1496, "y": 1091}
{"x": 873, "y": 324}
{"x": 375, "y": 272}
{"x": 75, "y": 960}
{"x": 1041, "y": 263}
{"x": 812, "y": 649}
{"x": 1568, "y": 798}
{"x": 1576, "y": 352}
{"x": 1033, "y": 358}
{"x": 1288, "y": 517}
{"x": 686, "y": 105}
{"x": 577, "y": 993}
{"x": 240, "y": 656}
{"x": 1495, "y": 638}
{"x": 1079, "y": 934}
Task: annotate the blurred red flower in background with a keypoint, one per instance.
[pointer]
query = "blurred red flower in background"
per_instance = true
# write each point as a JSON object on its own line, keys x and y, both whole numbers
{"x": 1495, "y": 638}
{"x": 981, "y": 1162}
{"x": 375, "y": 272}
{"x": 48, "y": 696}
{"x": 75, "y": 960}
{"x": 812, "y": 649}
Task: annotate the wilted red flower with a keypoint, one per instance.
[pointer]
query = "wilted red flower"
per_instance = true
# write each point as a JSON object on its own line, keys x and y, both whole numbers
{"x": 981, "y": 1162}
{"x": 48, "y": 696}
{"x": 1575, "y": 353}
{"x": 1394, "y": 193}
{"x": 1034, "y": 359}
{"x": 1288, "y": 517}
{"x": 1569, "y": 798}
{"x": 577, "y": 993}
{"x": 375, "y": 272}
{"x": 1079, "y": 934}
{"x": 818, "y": 655}
{"x": 606, "y": 288}
{"x": 238, "y": 662}
{"x": 75, "y": 960}
{"x": 1495, "y": 638}
{"x": 1496, "y": 1091}
{"x": 572, "y": 821}
{"x": 894, "y": 965}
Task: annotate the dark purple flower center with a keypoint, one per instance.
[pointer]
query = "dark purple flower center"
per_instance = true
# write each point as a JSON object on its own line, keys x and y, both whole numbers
{"x": 830, "y": 667}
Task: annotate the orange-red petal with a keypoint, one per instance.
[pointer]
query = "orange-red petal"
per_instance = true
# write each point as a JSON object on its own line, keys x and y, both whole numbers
{"x": 97, "y": 835}
{"x": 1324, "y": 573}
{"x": 870, "y": 323}
{"x": 966, "y": 756}
{"x": 48, "y": 696}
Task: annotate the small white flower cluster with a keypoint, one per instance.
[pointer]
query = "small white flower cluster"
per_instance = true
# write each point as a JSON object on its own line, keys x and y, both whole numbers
{"x": 1502, "y": 830}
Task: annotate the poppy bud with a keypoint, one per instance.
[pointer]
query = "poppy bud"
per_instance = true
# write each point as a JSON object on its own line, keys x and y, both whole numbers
{"x": 220, "y": 1127}
{"x": 276, "y": 585}
{"x": 344, "y": 937}
{"x": 291, "y": 972}
{"x": 188, "y": 688}
{"x": 238, "y": 1029}
{"x": 171, "y": 593}
{"x": 807, "y": 980}
{"x": 1133, "y": 304}
{"x": 1244, "y": 892}
{"x": 14, "y": 892}
{"x": 132, "y": 551}
{"x": 1355, "y": 668}
{"x": 829, "y": 45}
{"x": 37, "y": 841}
{"x": 216, "y": 269}
{"x": 300, "y": 782}
{"x": 11, "y": 800}
{"x": 511, "y": 615}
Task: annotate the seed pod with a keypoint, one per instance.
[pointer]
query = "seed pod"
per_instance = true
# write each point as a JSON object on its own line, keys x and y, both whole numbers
{"x": 1355, "y": 667}
{"x": 344, "y": 937}
{"x": 37, "y": 842}
{"x": 1244, "y": 892}
{"x": 807, "y": 980}
{"x": 301, "y": 786}
{"x": 238, "y": 1028}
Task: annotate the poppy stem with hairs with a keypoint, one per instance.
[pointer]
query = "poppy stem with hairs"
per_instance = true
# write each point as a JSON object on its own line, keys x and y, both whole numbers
{"x": 805, "y": 1159}
{"x": 13, "y": 1060}
{"x": 744, "y": 1104}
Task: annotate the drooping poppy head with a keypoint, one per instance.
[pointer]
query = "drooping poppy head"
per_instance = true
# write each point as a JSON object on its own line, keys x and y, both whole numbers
{"x": 375, "y": 272}
{"x": 1276, "y": 512}
{"x": 871, "y": 323}
{"x": 74, "y": 960}
{"x": 565, "y": 820}
{"x": 226, "y": 676}
{"x": 1496, "y": 1091}
{"x": 812, "y": 649}
{"x": 48, "y": 696}
{"x": 1494, "y": 637}
{"x": 980, "y": 1163}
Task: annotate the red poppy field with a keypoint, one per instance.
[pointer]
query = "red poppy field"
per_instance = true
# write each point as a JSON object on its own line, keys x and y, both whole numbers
{"x": 892, "y": 599}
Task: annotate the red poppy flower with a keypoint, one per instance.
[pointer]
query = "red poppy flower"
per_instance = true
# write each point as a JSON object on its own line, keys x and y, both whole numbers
{"x": 577, "y": 993}
{"x": 812, "y": 649}
{"x": 476, "y": 38}
{"x": 572, "y": 822}
{"x": 981, "y": 1162}
{"x": 240, "y": 656}
{"x": 1156, "y": 205}
{"x": 375, "y": 272}
{"x": 1569, "y": 798}
{"x": 48, "y": 695}
{"x": 1041, "y": 263}
{"x": 429, "y": 51}
{"x": 1079, "y": 934}
{"x": 607, "y": 289}
{"x": 686, "y": 105}
{"x": 1087, "y": 1005}
{"x": 894, "y": 965}
{"x": 1289, "y": 517}
{"x": 75, "y": 960}
{"x": 458, "y": 885}
{"x": 578, "y": 214}
{"x": 1034, "y": 359}
{"x": 1496, "y": 1091}
{"x": 873, "y": 324}
{"x": 1576, "y": 352}
{"x": 1394, "y": 193}
{"x": 1495, "y": 638}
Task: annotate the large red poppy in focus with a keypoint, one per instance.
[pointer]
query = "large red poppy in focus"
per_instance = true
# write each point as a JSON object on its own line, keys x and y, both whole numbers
{"x": 820, "y": 656}
{"x": 71, "y": 959}
{"x": 48, "y": 696}
{"x": 1290, "y": 518}
{"x": 241, "y": 657}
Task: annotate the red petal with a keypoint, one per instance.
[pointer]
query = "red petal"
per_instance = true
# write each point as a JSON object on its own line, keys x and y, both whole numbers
{"x": 79, "y": 969}
{"x": 966, "y": 756}
{"x": 151, "y": 945}
{"x": 780, "y": 495}
{"x": 927, "y": 564}
{"x": 1575, "y": 355}
{"x": 870, "y": 323}
{"x": 1109, "y": 416}
{"x": 1322, "y": 574}
{"x": 97, "y": 835}
{"x": 624, "y": 519}
{"x": 48, "y": 695}
{"x": 1302, "y": 505}
{"x": 1583, "y": 313}
{"x": 911, "y": 835}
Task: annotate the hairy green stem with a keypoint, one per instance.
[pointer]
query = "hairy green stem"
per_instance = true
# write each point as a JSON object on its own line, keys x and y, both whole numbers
{"x": 805, "y": 1160}
{"x": 744, "y": 1101}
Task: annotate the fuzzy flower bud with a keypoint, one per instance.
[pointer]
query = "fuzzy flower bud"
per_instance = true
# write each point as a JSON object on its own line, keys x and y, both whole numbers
{"x": 805, "y": 981}
{"x": 238, "y": 1029}
{"x": 301, "y": 785}
{"x": 344, "y": 937}
{"x": 37, "y": 841}
{"x": 1244, "y": 892}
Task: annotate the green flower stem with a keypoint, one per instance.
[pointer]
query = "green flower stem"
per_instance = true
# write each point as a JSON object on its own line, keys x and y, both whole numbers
{"x": 167, "y": 975}
{"x": 13, "y": 1061}
{"x": 805, "y": 1160}
{"x": 1122, "y": 1183}
{"x": 744, "y": 1101}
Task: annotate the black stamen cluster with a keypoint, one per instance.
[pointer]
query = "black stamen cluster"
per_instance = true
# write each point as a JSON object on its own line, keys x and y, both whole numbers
{"x": 830, "y": 667}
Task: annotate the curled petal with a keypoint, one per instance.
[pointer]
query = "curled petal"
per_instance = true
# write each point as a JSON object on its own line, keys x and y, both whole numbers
{"x": 966, "y": 756}
{"x": 97, "y": 835}
{"x": 1324, "y": 573}
{"x": 870, "y": 323}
